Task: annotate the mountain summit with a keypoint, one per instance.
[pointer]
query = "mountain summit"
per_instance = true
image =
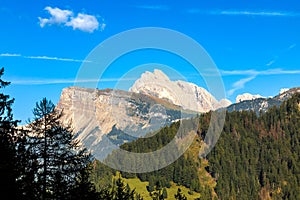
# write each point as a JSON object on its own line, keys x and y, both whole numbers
{"x": 181, "y": 93}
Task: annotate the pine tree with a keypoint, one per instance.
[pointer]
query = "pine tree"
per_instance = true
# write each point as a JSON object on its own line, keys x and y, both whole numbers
{"x": 122, "y": 191}
{"x": 8, "y": 168}
{"x": 57, "y": 156}
{"x": 158, "y": 193}
{"x": 84, "y": 189}
{"x": 179, "y": 195}
{"x": 119, "y": 191}
{"x": 164, "y": 193}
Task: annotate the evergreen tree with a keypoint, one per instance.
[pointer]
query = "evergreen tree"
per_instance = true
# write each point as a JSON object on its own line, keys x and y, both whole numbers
{"x": 84, "y": 189}
{"x": 159, "y": 193}
{"x": 179, "y": 195}
{"x": 56, "y": 155}
{"x": 8, "y": 168}
{"x": 119, "y": 191}
{"x": 122, "y": 191}
{"x": 164, "y": 193}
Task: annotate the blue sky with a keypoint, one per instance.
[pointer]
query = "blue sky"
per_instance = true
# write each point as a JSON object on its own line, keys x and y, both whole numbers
{"x": 255, "y": 44}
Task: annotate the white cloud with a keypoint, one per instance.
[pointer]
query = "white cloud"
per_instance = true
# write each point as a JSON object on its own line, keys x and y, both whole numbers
{"x": 10, "y": 55}
{"x": 292, "y": 46}
{"x": 253, "y": 72}
{"x": 102, "y": 26}
{"x": 44, "y": 58}
{"x": 64, "y": 81}
{"x": 240, "y": 84}
{"x": 41, "y": 82}
{"x": 254, "y": 13}
{"x": 55, "y": 58}
{"x": 244, "y": 13}
{"x": 84, "y": 22}
{"x": 277, "y": 57}
{"x": 271, "y": 62}
{"x": 153, "y": 7}
{"x": 58, "y": 16}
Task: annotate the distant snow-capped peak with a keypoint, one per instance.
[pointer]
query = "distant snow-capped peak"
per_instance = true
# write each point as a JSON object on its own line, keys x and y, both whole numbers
{"x": 247, "y": 96}
{"x": 283, "y": 90}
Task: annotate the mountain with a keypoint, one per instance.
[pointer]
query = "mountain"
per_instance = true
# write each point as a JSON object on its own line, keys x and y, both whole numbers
{"x": 262, "y": 104}
{"x": 104, "y": 119}
{"x": 247, "y": 96}
{"x": 185, "y": 94}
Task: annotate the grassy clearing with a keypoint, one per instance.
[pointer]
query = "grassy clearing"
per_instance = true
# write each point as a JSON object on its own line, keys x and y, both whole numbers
{"x": 140, "y": 187}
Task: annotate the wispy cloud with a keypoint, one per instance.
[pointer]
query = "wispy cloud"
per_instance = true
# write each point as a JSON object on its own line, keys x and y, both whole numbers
{"x": 40, "y": 82}
{"x": 65, "y": 81}
{"x": 83, "y": 22}
{"x": 271, "y": 62}
{"x": 56, "y": 58}
{"x": 245, "y": 13}
{"x": 292, "y": 46}
{"x": 253, "y": 72}
{"x": 289, "y": 48}
{"x": 153, "y": 7}
{"x": 254, "y": 13}
{"x": 10, "y": 55}
{"x": 44, "y": 58}
{"x": 240, "y": 84}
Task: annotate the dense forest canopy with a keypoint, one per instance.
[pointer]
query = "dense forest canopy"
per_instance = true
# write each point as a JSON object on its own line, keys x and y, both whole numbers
{"x": 257, "y": 156}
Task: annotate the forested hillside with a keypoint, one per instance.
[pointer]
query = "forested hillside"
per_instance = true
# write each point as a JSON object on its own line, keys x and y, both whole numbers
{"x": 256, "y": 157}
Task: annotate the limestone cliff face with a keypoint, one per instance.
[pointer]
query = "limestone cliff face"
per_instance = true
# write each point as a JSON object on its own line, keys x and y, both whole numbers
{"x": 102, "y": 119}
{"x": 185, "y": 94}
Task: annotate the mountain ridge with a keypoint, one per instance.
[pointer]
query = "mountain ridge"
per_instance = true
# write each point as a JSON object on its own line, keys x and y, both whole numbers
{"x": 263, "y": 104}
{"x": 182, "y": 93}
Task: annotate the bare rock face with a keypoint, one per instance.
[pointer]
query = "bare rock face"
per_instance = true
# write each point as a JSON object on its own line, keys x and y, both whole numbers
{"x": 185, "y": 94}
{"x": 104, "y": 119}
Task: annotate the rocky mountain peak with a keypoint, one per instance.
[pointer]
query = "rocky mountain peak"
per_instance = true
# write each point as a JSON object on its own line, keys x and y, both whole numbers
{"x": 247, "y": 96}
{"x": 182, "y": 93}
